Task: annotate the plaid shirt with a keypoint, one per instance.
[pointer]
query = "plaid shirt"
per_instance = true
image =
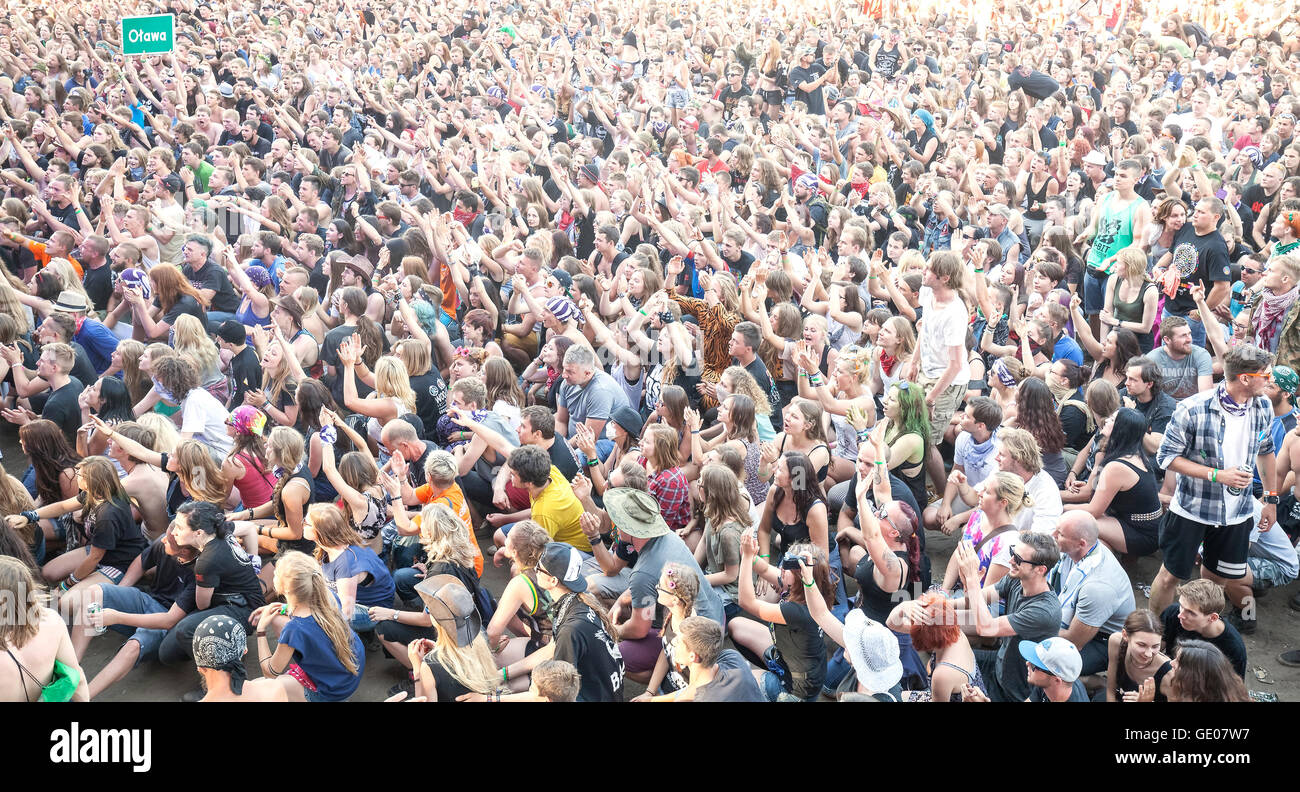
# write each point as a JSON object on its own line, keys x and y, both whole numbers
{"x": 673, "y": 492}
{"x": 1196, "y": 432}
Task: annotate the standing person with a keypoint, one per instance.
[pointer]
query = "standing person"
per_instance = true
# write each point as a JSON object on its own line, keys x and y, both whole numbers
{"x": 1185, "y": 368}
{"x": 42, "y": 665}
{"x": 317, "y": 657}
{"x": 942, "y": 367}
{"x": 1214, "y": 441}
{"x": 1033, "y": 613}
{"x": 583, "y": 630}
{"x": 1199, "y": 256}
{"x": 1119, "y": 218}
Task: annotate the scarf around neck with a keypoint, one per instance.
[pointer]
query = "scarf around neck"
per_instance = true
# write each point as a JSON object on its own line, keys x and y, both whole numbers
{"x": 1272, "y": 307}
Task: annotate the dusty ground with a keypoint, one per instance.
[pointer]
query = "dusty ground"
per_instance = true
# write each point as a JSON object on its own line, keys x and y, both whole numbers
{"x": 1279, "y": 630}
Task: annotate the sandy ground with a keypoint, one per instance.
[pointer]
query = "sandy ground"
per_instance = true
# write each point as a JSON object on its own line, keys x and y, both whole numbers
{"x": 1279, "y": 630}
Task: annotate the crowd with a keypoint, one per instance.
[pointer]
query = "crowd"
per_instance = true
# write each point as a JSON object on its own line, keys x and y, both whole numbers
{"x": 698, "y": 321}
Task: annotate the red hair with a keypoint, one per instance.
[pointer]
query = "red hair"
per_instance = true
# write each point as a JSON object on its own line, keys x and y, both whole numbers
{"x": 943, "y": 631}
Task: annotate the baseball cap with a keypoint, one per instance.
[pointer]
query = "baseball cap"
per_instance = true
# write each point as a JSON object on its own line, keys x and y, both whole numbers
{"x": 564, "y": 563}
{"x": 1057, "y": 656}
{"x": 232, "y": 332}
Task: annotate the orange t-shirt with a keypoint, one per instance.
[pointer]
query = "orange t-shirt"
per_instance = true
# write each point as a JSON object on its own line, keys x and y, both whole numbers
{"x": 450, "y": 299}
{"x": 454, "y": 498}
{"x": 43, "y": 258}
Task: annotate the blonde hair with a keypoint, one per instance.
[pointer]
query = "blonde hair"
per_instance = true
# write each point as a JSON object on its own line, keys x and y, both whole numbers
{"x": 165, "y": 435}
{"x": 26, "y": 592}
{"x": 445, "y": 537}
{"x": 331, "y": 528}
{"x": 1010, "y": 489}
{"x": 746, "y": 385}
{"x": 1131, "y": 262}
{"x": 391, "y": 381}
{"x": 191, "y": 338}
{"x": 1022, "y": 447}
{"x": 285, "y": 448}
{"x": 200, "y": 474}
{"x": 67, "y": 275}
{"x": 305, "y": 584}
{"x": 906, "y": 335}
{"x": 471, "y": 666}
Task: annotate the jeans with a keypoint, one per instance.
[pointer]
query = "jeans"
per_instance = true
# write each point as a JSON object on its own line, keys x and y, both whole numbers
{"x": 361, "y": 621}
{"x": 1095, "y": 654}
{"x": 178, "y": 647}
{"x": 406, "y": 580}
{"x": 1195, "y": 325}
{"x": 215, "y": 319}
{"x": 1094, "y": 293}
{"x": 604, "y": 447}
{"x": 132, "y": 600}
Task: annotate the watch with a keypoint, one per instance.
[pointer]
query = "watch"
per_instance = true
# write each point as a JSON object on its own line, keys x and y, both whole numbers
{"x": 1270, "y": 499}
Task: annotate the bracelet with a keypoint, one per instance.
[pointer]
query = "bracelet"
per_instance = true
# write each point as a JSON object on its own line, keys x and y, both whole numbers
{"x": 696, "y": 431}
{"x": 879, "y": 462}
{"x": 1214, "y": 472}
{"x": 505, "y": 674}
{"x": 284, "y": 609}
{"x": 764, "y": 555}
{"x": 979, "y": 271}
{"x": 643, "y": 313}
{"x": 808, "y": 585}
{"x": 1268, "y": 494}
{"x": 593, "y": 462}
{"x": 31, "y": 516}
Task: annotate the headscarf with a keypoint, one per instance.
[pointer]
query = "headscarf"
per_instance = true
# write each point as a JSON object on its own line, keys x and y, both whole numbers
{"x": 926, "y": 118}
{"x": 564, "y": 310}
{"x": 247, "y": 420}
{"x": 220, "y": 643}
{"x": 259, "y": 275}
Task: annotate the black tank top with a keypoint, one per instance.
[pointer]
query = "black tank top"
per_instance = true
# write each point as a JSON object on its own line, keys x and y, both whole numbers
{"x": 302, "y": 545}
{"x": 795, "y": 532}
{"x": 875, "y": 601}
{"x": 1125, "y": 684}
{"x": 887, "y": 62}
{"x": 1033, "y": 196}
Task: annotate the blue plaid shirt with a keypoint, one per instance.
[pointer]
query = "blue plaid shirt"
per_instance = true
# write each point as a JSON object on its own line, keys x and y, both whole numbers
{"x": 1196, "y": 432}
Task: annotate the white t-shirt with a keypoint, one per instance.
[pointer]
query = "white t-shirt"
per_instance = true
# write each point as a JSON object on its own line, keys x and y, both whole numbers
{"x": 205, "y": 419}
{"x": 942, "y": 327}
{"x": 979, "y": 461}
{"x": 1047, "y": 505}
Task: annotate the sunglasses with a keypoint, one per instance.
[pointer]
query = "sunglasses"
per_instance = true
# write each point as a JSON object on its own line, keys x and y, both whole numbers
{"x": 1017, "y": 560}
{"x": 1260, "y": 374}
{"x": 667, "y": 591}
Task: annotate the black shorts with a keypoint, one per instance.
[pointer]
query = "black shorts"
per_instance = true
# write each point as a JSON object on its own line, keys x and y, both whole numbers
{"x": 1223, "y": 547}
{"x": 774, "y": 98}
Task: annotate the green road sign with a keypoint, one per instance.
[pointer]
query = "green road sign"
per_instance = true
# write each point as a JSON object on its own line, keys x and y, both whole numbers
{"x": 148, "y": 35}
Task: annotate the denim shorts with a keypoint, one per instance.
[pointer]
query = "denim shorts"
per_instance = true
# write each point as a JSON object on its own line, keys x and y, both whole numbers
{"x": 1094, "y": 293}
{"x": 677, "y": 97}
{"x": 774, "y": 691}
{"x": 128, "y": 599}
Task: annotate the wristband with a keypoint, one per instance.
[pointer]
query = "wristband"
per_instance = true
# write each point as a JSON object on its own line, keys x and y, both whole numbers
{"x": 696, "y": 431}
{"x": 505, "y": 674}
{"x": 643, "y": 313}
{"x": 31, "y": 516}
{"x": 879, "y": 462}
{"x": 1214, "y": 472}
{"x": 284, "y": 610}
{"x": 593, "y": 462}
{"x": 979, "y": 271}
{"x": 808, "y": 585}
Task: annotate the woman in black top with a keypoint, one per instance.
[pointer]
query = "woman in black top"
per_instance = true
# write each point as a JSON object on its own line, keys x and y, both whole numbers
{"x": 1065, "y": 380}
{"x": 1126, "y": 496}
{"x": 1138, "y": 670}
{"x": 459, "y": 661}
{"x": 791, "y": 643}
{"x": 286, "y": 451}
{"x": 106, "y": 542}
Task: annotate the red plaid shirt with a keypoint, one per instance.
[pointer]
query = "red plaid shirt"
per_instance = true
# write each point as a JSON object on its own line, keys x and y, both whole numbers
{"x": 673, "y": 492}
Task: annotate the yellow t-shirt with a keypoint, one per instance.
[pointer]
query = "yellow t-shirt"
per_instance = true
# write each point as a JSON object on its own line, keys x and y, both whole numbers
{"x": 558, "y": 509}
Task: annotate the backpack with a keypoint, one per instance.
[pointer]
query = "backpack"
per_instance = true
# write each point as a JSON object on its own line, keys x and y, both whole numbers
{"x": 819, "y": 228}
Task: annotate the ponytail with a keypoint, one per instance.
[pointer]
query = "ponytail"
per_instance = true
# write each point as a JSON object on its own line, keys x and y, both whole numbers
{"x": 588, "y": 599}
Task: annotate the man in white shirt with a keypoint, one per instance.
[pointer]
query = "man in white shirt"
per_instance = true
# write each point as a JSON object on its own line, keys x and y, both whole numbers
{"x": 1018, "y": 453}
{"x": 941, "y": 368}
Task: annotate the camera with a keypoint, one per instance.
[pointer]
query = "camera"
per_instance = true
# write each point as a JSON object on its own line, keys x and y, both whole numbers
{"x": 790, "y": 562}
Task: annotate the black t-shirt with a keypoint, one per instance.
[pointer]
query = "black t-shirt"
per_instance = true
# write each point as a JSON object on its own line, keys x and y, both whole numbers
{"x": 741, "y": 265}
{"x": 562, "y": 457}
{"x": 246, "y": 370}
{"x": 430, "y": 398}
{"x": 18, "y": 260}
{"x": 730, "y": 99}
{"x": 115, "y": 532}
{"x": 82, "y": 369}
{"x": 448, "y": 687}
{"x": 99, "y": 286}
{"x": 329, "y": 353}
{"x": 173, "y": 582}
{"x": 214, "y": 277}
{"x": 1229, "y": 641}
{"x": 802, "y": 648}
{"x": 758, "y": 370}
{"x": 581, "y": 640}
{"x": 1078, "y": 693}
{"x": 61, "y": 407}
{"x": 186, "y": 304}
{"x": 1158, "y": 411}
{"x": 228, "y": 571}
{"x": 815, "y": 99}
{"x": 1198, "y": 259}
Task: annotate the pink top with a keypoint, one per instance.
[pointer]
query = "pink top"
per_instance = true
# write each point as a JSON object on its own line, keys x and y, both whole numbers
{"x": 257, "y": 483}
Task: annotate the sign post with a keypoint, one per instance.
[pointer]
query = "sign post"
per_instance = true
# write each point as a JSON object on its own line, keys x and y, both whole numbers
{"x": 148, "y": 35}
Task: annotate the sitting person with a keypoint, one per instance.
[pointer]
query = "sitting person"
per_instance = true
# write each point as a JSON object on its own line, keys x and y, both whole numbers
{"x": 220, "y": 644}
{"x": 1053, "y": 667}
{"x": 355, "y": 573}
{"x": 1202, "y": 672}
{"x": 931, "y": 620}
{"x": 1125, "y": 498}
{"x": 715, "y": 673}
{"x": 459, "y": 660}
{"x": 1136, "y": 669}
{"x": 317, "y": 655}
{"x": 990, "y": 528}
{"x": 43, "y": 665}
{"x": 1197, "y": 615}
{"x": 1095, "y": 592}
{"x": 678, "y": 588}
